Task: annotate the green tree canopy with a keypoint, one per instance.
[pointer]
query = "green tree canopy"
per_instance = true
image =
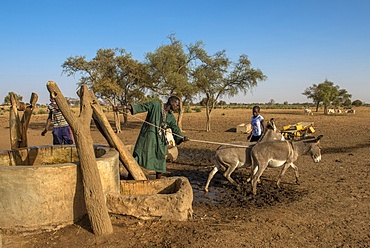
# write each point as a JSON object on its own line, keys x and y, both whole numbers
{"x": 169, "y": 67}
{"x": 328, "y": 94}
{"x": 218, "y": 76}
{"x": 111, "y": 74}
{"x": 172, "y": 69}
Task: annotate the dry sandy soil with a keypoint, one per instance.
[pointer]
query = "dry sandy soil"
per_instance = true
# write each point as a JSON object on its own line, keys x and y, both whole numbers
{"x": 330, "y": 208}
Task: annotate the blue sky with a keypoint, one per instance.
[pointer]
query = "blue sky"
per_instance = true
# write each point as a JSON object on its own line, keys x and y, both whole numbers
{"x": 295, "y": 43}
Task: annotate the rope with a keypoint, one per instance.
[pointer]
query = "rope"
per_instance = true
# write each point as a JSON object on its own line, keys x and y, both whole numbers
{"x": 199, "y": 141}
{"x": 218, "y": 143}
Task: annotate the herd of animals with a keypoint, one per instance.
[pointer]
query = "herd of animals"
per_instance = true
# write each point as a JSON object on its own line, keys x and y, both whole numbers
{"x": 331, "y": 111}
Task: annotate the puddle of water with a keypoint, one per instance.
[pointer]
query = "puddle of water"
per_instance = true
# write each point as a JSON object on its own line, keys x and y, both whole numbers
{"x": 199, "y": 195}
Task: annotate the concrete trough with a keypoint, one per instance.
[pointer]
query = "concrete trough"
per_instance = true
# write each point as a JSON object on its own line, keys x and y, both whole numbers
{"x": 166, "y": 199}
{"x": 244, "y": 128}
{"x": 41, "y": 187}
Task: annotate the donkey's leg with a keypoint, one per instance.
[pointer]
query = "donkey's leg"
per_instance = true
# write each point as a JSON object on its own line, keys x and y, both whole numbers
{"x": 256, "y": 177}
{"x": 296, "y": 173}
{"x": 210, "y": 176}
{"x": 282, "y": 172}
{"x": 254, "y": 169}
{"x": 230, "y": 170}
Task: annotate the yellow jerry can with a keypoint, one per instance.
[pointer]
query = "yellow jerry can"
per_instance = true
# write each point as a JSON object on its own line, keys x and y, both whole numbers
{"x": 286, "y": 127}
{"x": 298, "y": 126}
{"x": 311, "y": 129}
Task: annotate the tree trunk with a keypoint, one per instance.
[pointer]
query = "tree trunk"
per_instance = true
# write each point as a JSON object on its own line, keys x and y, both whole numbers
{"x": 93, "y": 193}
{"x": 125, "y": 117}
{"x": 208, "y": 123}
{"x": 179, "y": 117}
{"x": 181, "y": 114}
{"x": 114, "y": 141}
{"x": 117, "y": 120}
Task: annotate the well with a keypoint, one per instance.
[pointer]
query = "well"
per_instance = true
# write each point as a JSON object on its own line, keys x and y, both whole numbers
{"x": 41, "y": 187}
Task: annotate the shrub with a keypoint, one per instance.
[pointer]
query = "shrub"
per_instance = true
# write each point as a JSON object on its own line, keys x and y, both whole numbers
{"x": 187, "y": 109}
{"x": 41, "y": 112}
{"x": 357, "y": 103}
{"x": 197, "y": 109}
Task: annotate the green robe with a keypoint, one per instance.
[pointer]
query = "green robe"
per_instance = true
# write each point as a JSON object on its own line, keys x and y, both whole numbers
{"x": 150, "y": 148}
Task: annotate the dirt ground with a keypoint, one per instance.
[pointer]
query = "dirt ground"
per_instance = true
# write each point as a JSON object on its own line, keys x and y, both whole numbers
{"x": 330, "y": 208}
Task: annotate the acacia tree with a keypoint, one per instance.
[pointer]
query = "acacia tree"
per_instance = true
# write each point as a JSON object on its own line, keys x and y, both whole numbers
{"x": 169, "y": 67}
{"x": 218, "y": 76}
{"x": 112, "y": 74}
{"x": 324, "y": 93}
{"x": 328, "y": 94}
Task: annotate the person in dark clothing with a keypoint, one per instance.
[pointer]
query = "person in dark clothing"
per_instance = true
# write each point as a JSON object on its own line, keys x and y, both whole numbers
{"x": 151, "y": 145}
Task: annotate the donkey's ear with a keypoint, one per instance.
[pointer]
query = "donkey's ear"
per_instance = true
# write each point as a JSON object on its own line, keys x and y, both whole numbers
{"x": 272, "y": 124}
{"x": 319, "y": 137}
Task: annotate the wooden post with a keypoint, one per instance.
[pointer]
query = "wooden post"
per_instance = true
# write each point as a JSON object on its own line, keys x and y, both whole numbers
{"x": 114, "y": 141}
{"x": 14, "y": 123}
{"x": 93, "y": 193}
{"x": 18, "y": 128}
{"x": 26, "y": 119}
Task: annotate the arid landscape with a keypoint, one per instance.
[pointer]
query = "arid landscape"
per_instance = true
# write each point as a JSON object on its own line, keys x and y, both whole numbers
{"x": 330, "y": 208}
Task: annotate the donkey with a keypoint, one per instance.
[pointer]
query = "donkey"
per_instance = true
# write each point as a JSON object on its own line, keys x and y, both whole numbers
{"x": 276, "y": 153}
{"x": 230, "y": 157}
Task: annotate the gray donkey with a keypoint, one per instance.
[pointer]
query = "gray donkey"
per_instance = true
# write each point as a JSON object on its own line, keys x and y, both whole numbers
{"x": 235, "y": 155}
{"x": 275, "y": 154}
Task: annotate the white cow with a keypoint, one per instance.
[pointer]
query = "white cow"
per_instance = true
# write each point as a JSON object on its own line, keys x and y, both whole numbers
{"x": 330, "y": 111}
{"x": 350, "y": 111}
{"x": 308, "y": 112}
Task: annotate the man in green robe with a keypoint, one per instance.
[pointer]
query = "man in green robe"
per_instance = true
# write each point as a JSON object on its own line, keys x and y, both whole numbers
{"x": 151, "y": 145}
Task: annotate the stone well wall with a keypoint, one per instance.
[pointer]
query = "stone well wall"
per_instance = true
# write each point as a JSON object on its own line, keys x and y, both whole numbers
{"x": 41, "y": 187}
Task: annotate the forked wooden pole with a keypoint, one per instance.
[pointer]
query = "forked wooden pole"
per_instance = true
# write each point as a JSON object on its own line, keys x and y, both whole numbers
{"x": 93, "y": 193}
{"x": 18, "y": 127}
